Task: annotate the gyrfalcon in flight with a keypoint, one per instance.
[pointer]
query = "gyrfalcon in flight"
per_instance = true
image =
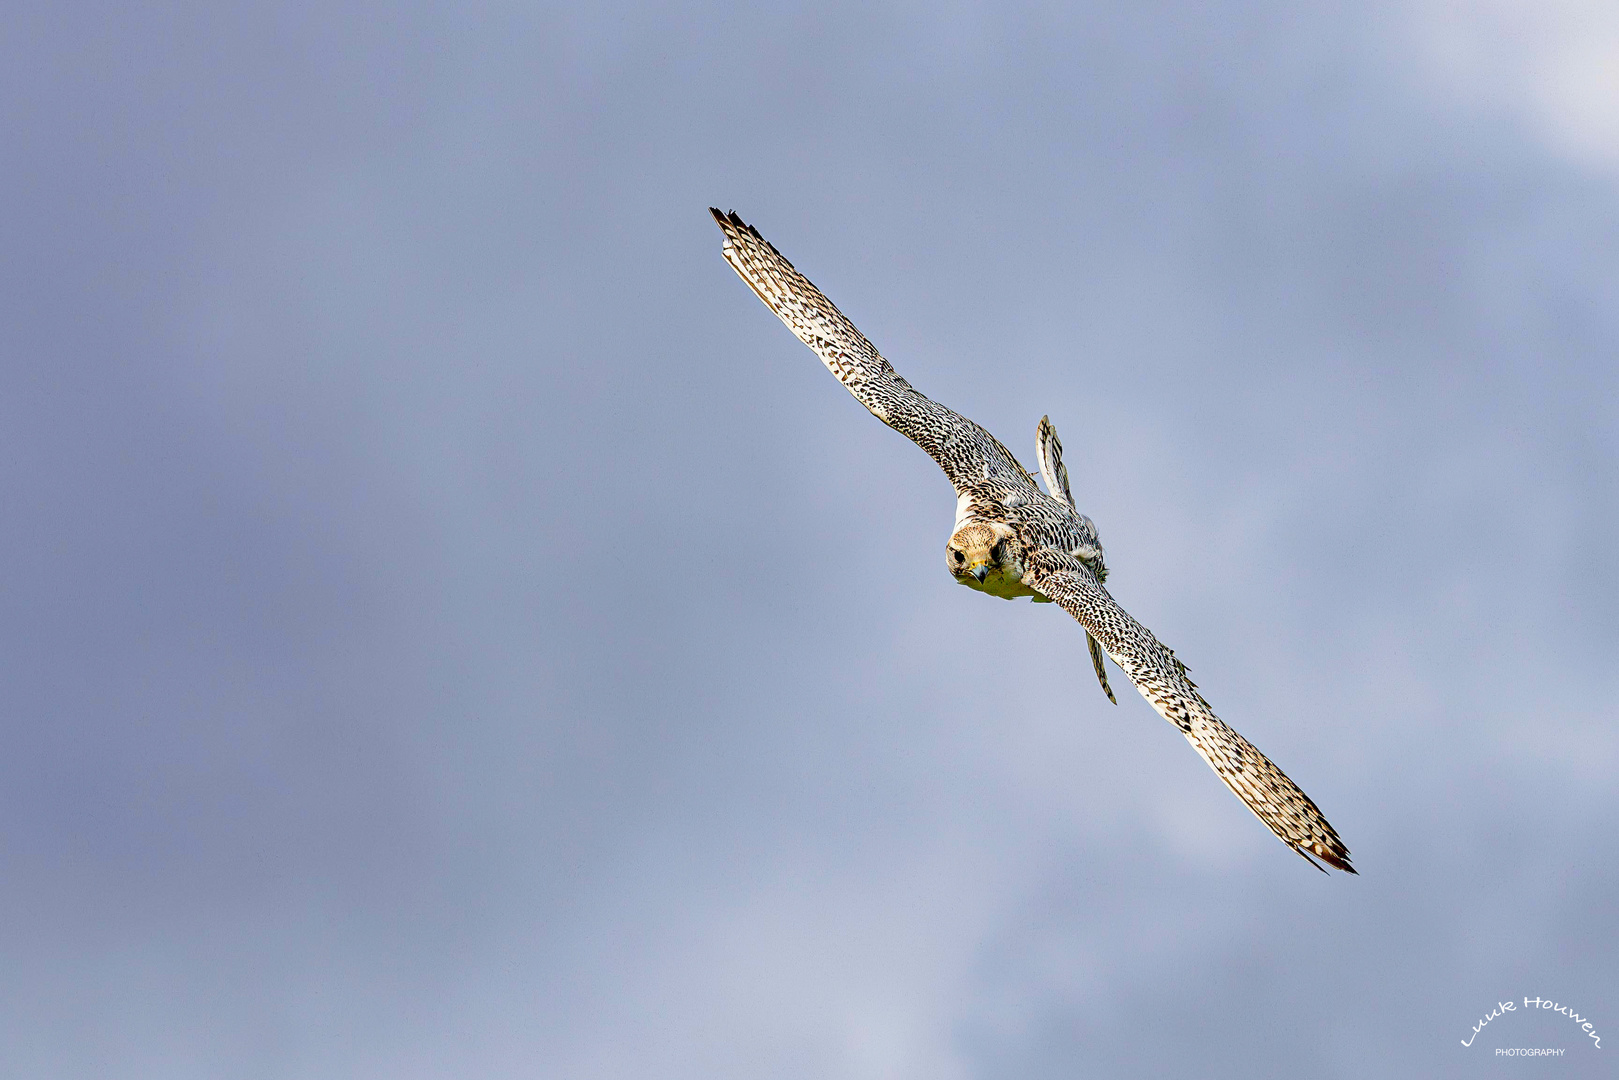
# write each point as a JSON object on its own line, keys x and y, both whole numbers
{"x": 1012, "y": 539}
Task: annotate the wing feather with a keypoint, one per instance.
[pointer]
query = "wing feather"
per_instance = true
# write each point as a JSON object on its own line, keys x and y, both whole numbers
{"x": 1162, "y": 680}
{"x": 1049, "y": 450}
{"x": 967, "y": 453}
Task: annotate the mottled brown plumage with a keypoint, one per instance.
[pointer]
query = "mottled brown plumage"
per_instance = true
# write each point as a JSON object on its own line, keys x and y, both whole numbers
{"x": 1011, "y": 539}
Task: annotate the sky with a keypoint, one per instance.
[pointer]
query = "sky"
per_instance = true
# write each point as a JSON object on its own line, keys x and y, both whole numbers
{"x": 452, "y": 629}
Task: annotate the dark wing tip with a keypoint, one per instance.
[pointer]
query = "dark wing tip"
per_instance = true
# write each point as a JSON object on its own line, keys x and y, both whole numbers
{"x": 732, "y": 222}
{"x": 729, "y": 221}
{"x": 1337, "y": 860}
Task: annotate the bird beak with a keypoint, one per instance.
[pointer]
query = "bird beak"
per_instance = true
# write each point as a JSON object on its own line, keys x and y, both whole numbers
{"x": 978, "y": 570}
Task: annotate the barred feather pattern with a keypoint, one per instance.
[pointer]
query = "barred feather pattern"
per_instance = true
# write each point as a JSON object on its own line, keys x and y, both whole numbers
{"x": 1048, "y": 448}
{"x": 1161, "y": 678}
{"x": 967, "y": 453}
{"x": 1053, "y": 549}
{"x": 990, "y": 482}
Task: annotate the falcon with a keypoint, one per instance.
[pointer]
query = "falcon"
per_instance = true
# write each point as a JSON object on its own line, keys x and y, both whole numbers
{"x": 1011, "y": 539}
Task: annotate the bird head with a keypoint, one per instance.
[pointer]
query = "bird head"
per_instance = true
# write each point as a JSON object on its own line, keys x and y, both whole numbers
{"x": 984, "y": 549}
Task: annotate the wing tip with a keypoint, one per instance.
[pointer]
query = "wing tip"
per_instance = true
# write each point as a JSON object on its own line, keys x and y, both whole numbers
{"x": 740, "y": 235}
{"x": 1338, "y": 860}
{"x": 730, "y": 219}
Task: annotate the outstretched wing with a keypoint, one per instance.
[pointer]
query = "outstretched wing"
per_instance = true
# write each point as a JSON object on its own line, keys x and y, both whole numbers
{"x": 967, "y": 453}
{"x": 1163, "y": 681}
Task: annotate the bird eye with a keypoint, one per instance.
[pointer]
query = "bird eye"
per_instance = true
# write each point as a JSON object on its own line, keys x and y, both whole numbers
{"x": 956, "y": 556}
{"x": 998, "y": 550}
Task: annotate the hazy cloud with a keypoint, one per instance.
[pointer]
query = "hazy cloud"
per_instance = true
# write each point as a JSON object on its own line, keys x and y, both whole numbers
{"x": 453, "y": 629}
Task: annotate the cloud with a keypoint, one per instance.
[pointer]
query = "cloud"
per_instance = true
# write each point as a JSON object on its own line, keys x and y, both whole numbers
{"x": 453, "y": 629}
{"x": 1554, "y": 65}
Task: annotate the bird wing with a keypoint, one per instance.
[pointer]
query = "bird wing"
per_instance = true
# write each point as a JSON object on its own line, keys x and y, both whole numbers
{"x": 964, "y": 450}
{"x": 1048, "y": 448}
{"x": 1163, "y": 681}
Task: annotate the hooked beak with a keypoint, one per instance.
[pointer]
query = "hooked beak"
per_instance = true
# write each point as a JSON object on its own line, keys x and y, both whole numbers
{"x": 979, "y": 570}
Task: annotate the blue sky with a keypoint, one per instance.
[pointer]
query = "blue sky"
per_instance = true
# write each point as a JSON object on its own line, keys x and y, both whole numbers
{"x": 452, "y": 629}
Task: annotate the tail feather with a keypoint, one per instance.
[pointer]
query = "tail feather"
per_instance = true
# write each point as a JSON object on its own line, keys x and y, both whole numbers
{"x": 1097, "y": 657}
